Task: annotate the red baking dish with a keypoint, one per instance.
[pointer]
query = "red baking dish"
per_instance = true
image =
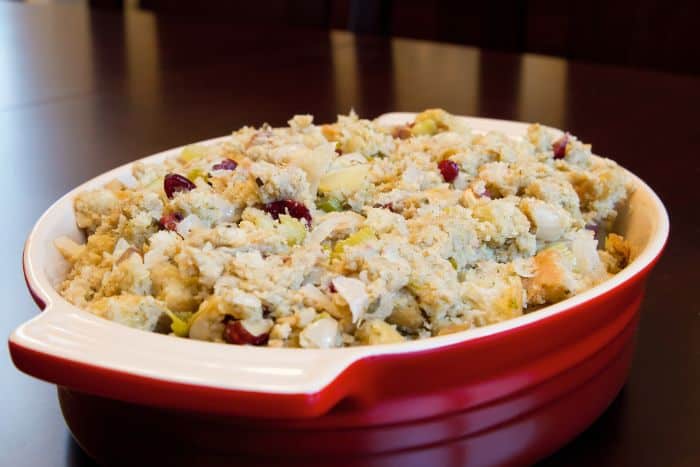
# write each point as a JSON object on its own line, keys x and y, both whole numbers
{"x": 508, "y": 393}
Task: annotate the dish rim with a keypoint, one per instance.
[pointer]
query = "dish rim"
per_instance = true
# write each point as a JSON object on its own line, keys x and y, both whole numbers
{"x": 273, "y": 371}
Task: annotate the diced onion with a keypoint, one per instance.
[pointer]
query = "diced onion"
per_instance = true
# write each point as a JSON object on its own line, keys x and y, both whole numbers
{"x": 354, "y": 293}
{"x": 320, "y": 334}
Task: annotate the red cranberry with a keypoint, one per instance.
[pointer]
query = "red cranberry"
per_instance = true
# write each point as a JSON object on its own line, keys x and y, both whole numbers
{"x": 449, "y": 170}
{"x": 226, "y": 164}
{"x": 389, "y": 206}
{"x": 172, "y": 183}
{"x": 236, "y": 333}
{"x": 169, "y": 221}
{"x": 559, "y": 146}
{"x": 593, "y": 228}
{"x": 288, "y": 206}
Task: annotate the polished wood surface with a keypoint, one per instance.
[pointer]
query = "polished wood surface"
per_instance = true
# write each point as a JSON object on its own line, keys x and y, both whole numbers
{"x": 83, "y": 91}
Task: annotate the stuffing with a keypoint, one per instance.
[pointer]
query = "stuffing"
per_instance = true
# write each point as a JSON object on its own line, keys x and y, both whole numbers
{"x": 554, "y": 279}
{"x": 348, "y": 233}
{"x": 131, "y": 310}
{"x": 95, "y": 208}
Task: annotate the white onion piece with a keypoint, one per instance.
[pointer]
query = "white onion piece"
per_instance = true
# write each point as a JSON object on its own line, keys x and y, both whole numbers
{"x": 188, "y": 223}
{"x": 584, "y": 249}
{"x": 321, "y": 334}
{"x": 68, "y": 248}
{"x": 354, "y": 293}
{"x": 330, "y": 222}
{"x": 316, "y": 298}
{"x": 120, "y": 247}
{"x": 256, "y": 326}
{"x": 548, "y": 223}
{"x": 323, "y": 230}
{"x": 347, "y": 180}
{"x": 386, "y": 305}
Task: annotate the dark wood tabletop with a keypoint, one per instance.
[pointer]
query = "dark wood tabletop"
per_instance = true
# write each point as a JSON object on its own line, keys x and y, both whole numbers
{"x": 84, "y": 91}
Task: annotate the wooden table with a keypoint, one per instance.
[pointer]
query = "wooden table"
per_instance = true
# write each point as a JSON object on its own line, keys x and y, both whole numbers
{"x": 84, "y": 91}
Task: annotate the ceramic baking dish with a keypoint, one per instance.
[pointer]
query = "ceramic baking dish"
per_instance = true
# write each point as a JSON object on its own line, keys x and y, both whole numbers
{"x": 551, "y": 371}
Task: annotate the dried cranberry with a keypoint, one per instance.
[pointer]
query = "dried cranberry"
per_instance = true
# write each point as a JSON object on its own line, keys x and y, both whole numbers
{"x": 236, "y": 333}
{"x": 449, "y": 170}
{"x": 593, "y": 228}
{"x": 332, "y": 288}
{"x": 559, "y": 146}
{"x": 288, "y": 206}
{"x": 169, "y": 221}
{"x": 172, "y": 183}
{"x": 226, "y": 164}
{"x": 389, "y": 206}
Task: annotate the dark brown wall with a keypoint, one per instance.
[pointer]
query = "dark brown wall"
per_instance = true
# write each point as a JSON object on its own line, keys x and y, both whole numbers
{"x": 644, "y": 33}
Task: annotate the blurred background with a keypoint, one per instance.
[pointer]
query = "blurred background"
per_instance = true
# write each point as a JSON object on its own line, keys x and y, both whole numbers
{"x": 86, "y": 86}
{"x": 644, "y": 33}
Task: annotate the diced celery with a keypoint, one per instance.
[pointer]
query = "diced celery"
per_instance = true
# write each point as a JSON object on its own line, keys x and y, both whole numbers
{"x": 179, "y": 326}
{"x": 329, "y": 204}
{"x": 264, "y": 222}
{"x": 193, "y": 152}
{"x": 363, "y": 235}
{"x": 194, "y": 174}
{"x": 155, "y": 185}
{"x": 424, "y": 127}
{"x": 430, "y": 121}
{"x": 454, "y": 264}
{"x": 291, "y": 229}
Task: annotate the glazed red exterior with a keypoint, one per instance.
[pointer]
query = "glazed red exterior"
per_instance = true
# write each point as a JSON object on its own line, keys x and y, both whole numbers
{"x": 176, "y": 438}
{"x": 516, "y": 428}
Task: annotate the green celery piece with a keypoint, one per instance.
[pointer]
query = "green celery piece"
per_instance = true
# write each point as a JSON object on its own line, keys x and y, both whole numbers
{"x": 329, "y": 204}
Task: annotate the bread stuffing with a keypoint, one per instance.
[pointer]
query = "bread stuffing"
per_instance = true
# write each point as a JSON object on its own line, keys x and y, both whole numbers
{"x": 349, "y": 233}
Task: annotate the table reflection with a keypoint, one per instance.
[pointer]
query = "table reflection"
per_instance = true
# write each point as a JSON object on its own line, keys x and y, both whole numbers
{"x": 140, "y": 60}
